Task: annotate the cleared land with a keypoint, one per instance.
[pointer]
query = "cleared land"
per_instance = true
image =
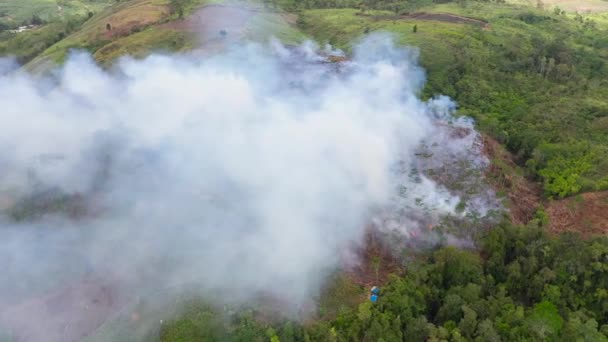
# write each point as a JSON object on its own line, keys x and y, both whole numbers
{"x": 586, "y": 214}
{"x": 584, "y": 6}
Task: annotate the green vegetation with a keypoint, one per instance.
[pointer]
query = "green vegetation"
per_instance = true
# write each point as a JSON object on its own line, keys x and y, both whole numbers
{"x": 127, "y": 27}
{"x": 26, "y": 45}
{"x": 140, "y": 44}
{"x": 534, "y": 80}
{"x": 527, "y": 287}
{"x": 55, "y": 20}
{"x": 14, "y": 13}
{"x": 124, "y": 18}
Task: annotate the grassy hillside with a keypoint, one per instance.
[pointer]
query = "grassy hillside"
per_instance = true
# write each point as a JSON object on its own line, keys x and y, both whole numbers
{"x": 125, "y": 18}
{"x": 534, "y": 80}
{"x": 16, "y": 12}
{"x": 55, "y": 20}
{"x": 138, "y": 27}
{"x": 587, "y": 6}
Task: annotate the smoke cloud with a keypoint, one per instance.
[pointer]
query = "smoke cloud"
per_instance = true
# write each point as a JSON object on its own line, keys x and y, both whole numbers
{"x": 247, "y": 172}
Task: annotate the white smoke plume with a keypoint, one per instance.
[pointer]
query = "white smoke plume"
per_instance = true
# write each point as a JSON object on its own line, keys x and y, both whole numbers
{"x": 247, "y": 172}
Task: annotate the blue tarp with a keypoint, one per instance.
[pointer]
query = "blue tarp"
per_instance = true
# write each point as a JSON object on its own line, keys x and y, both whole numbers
{"x": 375, "y": 290}
{"x": 373, "y": 298}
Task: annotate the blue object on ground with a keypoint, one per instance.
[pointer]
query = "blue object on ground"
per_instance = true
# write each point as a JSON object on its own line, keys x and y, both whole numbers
{"x": 375, "y": 290}
{"x": 373, "y": 298}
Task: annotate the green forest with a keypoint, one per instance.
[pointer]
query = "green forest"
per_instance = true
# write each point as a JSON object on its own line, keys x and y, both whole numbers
{"x": 534, "y": 80}
{"x": 522, "y": 286}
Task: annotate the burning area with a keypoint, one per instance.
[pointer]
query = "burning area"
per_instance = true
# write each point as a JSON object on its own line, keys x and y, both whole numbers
{"x": 253, "y": 171}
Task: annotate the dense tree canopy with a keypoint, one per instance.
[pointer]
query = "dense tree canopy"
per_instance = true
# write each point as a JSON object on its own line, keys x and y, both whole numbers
{"x": 525, "y": 286}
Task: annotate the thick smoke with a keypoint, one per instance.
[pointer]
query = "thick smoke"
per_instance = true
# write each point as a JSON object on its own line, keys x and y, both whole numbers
{"x": 249, "y": 172}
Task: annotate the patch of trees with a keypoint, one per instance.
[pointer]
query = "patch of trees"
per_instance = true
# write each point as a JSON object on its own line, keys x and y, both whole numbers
{"x": 522, "y": 286}
{"x": 178, "y": 7}
{"x": 540, "y": 91}
{"x": 535, "y": 79}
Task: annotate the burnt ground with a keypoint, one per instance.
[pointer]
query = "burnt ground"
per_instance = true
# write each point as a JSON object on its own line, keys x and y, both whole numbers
{"x": 67, "y": 313}
{"x": 523, "y": 194}
{"x": 585, "y": 213}
{"x": 376, "y": 261}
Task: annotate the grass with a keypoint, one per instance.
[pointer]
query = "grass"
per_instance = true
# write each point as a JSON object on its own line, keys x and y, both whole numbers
{"x": 264, "y": 25}
{"x": 497, "y": 76}
{"x": 534, "y": 80}
{"x": 27, "y": 45}
{"x": 16, "y": 12}
{"x": 140, "y": 44}
{"x": 136, "y": 32}
{"x": 340, "y": 293}
{"x": 124, "y": 18}
{"x": 581, "y": 6}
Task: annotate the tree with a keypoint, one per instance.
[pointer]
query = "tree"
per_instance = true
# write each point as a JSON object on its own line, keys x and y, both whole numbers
{"x": 36, "y": 20}
{"x": 417, "y": 330}
{"x": 486, "y": 332}
{"x": 468, "y": 323}
{"x": 178, "y": 6}
{"x": 544, "y": 322}
{"x": 540, "y": 4}
{"x": 415, "y": 28}
{"x": 108, "y": 27}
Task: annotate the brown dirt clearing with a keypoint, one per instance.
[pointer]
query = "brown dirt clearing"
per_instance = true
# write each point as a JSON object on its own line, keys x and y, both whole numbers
{"x": 524, "y": 195}
{"x": 376, "y": 261}
{"x": 585, "y": 213}
{"x": 443, "y": 17}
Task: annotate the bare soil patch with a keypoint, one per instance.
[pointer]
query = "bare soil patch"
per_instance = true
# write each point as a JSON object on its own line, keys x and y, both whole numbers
{"x": 524, "y": 195}
{"x": 376, "y": 261}
{"x": 586, "y": 214}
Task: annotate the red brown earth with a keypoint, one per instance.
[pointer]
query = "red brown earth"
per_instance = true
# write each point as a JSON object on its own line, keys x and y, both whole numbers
{"x": 524, "y": 195}
{"x": 586, "y": 214}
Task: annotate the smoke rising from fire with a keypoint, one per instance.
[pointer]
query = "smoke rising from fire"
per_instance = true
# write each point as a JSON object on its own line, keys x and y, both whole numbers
{"x": 248, "y": 172}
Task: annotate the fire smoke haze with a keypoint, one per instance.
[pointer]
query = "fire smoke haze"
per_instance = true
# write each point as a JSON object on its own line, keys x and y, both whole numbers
{"x": 249, "y": 171}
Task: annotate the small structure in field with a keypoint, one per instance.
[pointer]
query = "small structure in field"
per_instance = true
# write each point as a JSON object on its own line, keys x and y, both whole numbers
{"x": 23, "y": 28}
